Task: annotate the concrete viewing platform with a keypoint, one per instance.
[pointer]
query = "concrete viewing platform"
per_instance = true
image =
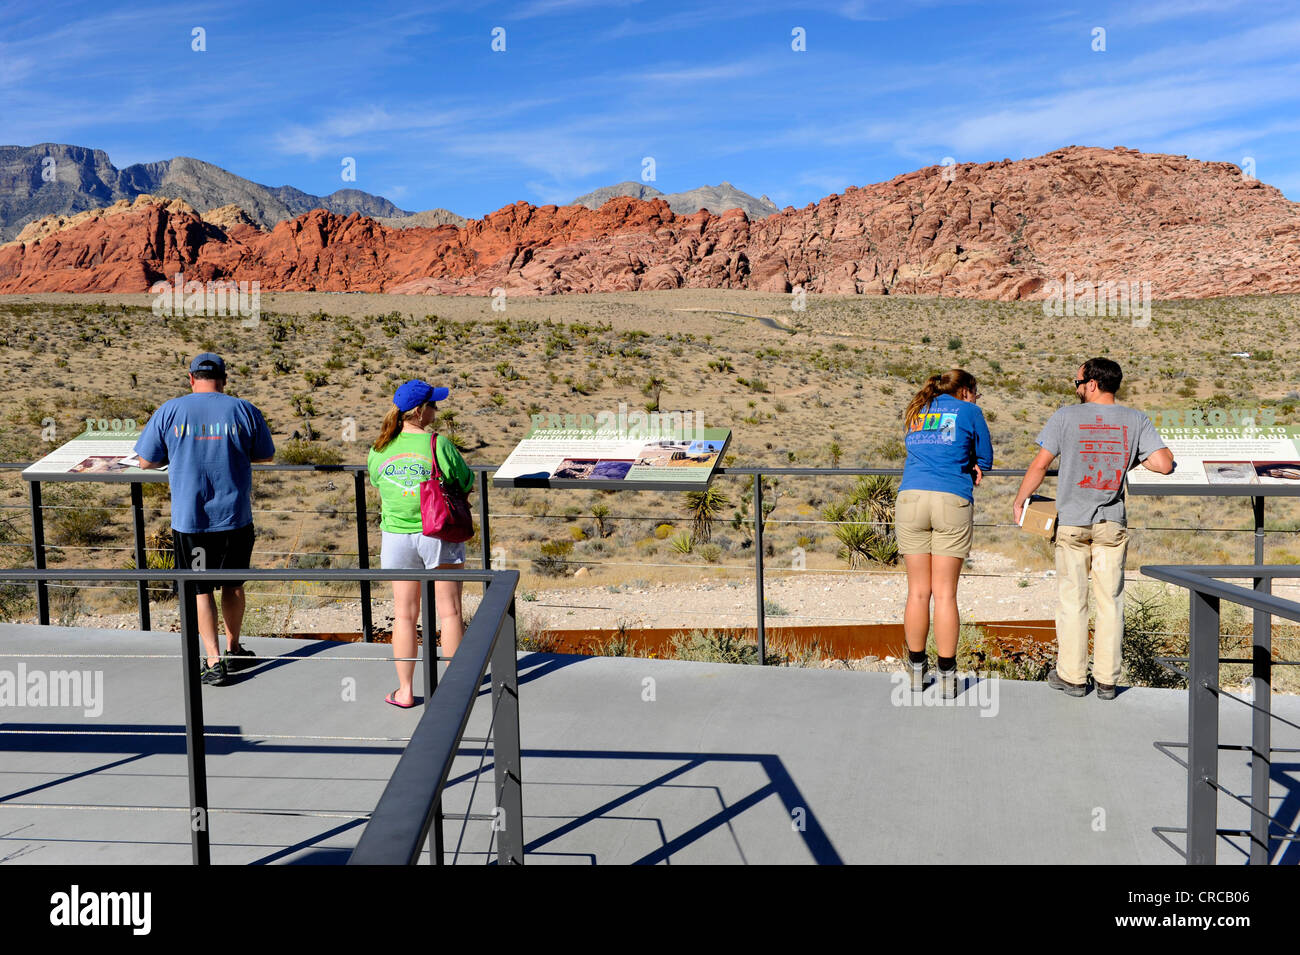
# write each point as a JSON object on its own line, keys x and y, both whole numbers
{"x": 624, "y": 761}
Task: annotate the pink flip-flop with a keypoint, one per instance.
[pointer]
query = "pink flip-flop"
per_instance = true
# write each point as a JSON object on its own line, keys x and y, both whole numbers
{"x": 405, "y": 706}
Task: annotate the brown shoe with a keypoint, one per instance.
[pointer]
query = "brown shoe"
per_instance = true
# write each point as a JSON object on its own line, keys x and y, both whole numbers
{"x": 1071, "y": 689}
{"x": 1104, "y": 691}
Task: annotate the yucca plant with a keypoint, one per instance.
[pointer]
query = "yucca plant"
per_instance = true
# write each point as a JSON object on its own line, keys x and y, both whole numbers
{"x": 600, "y": 512}
{"x": 864, "y": 521}
{"x": 705, "y": 507}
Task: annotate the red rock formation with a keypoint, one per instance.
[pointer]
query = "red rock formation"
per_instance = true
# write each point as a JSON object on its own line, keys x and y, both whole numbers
{"x": 990, "y": 230}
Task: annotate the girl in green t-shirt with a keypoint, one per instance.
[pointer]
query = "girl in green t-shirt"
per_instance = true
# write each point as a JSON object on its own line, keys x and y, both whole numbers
{"x": 399, "y": 460}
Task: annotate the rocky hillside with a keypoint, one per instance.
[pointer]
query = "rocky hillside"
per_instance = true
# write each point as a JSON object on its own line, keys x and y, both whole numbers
{"x": 992, "y": 230}
{"x": 428, "y": 219}
{"x": 84, "y": 179}
{"x": 716, "y": 199}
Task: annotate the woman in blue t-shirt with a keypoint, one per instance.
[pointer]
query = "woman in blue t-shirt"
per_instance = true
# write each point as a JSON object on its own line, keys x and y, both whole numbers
{"x": 948, "y": 448}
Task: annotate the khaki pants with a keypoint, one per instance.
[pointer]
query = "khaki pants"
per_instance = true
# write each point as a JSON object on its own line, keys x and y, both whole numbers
{"x": 1099, "y": 550}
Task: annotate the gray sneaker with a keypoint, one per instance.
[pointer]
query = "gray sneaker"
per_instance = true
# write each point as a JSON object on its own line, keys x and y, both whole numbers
{"x": 948, "y": 683}
{"x": 918, "y": 671}
{"x": 239, "y": 658}
{"x": 214, "y": 675}
{"x": 1071, "y": 689}
{"x": 1105, "y": 691}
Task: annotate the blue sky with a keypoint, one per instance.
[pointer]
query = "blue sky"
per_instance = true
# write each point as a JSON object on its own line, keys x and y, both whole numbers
{"x": 584, "y": 90}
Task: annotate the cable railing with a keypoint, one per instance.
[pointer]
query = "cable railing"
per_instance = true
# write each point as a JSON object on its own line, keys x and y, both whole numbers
{"x": 754, "y": 527}
{"x": 410, "y": 809}
{"x": 1207, "y": 590}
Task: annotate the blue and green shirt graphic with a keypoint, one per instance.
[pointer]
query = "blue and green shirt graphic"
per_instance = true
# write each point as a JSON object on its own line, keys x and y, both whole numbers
{"x": 943, "y": 443}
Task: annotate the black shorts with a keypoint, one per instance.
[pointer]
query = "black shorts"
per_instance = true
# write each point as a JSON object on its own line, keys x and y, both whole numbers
{"x": 222, "y": 550}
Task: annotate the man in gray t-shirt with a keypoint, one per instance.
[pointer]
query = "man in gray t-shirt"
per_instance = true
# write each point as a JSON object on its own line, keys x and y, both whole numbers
{"x": 1098, "y": 442}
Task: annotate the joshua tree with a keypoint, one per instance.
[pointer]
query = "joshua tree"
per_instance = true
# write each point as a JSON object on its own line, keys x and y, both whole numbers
{"x": 651, "y": 389}
{"x": 600, "y": 512}
{"x": 705, "y": 507}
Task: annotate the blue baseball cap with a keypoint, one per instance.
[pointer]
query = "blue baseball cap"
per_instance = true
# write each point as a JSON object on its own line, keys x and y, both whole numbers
{"x": 415, "y": 393}
{"x": 208, "y": 362}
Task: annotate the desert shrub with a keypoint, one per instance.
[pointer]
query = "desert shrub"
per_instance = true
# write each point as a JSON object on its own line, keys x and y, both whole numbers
{"x": 713, "y": 646}
{"x": 81, "y": 527}
{"x": 663, "y": 530}
{"x": 307, "y": 452}
{"x": 681, "y": 543}
{"x": 976, "y": 651}
{"x": 892, "y": 450}
{"x": 158, "y": 555}
{"x": 1149, "y": 619}
{"x": 711, "y": 552}
{"x": 16, "y": 600}
{"x": 619, "y": 644}
{"x": 551, "y": 559}
{"x": 536, "y": 641}
{"x": 65, "y": 603}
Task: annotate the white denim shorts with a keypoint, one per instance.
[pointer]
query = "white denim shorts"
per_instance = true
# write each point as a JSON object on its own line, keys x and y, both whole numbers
{"x": 417, "y": 552}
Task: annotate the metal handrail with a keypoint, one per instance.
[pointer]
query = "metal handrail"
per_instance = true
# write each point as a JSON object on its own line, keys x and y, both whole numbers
{"x": 411, "y": 803}
{"x": 490, "y": 636}
{"x": 1206, "y": 590}
{"x": 483, "y": 471}
{"x": 359, "y": 472}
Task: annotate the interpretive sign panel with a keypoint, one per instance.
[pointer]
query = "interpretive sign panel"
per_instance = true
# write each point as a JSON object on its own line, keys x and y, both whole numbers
{"x": 1255, "y": 460}
{"x": 614, "y": 457}
{"x": 94, "y": 455}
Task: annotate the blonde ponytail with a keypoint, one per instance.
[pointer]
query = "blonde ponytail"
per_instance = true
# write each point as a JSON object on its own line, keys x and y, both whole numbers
{"x": 393, "y": 422}
{"x": 949, "y": 383}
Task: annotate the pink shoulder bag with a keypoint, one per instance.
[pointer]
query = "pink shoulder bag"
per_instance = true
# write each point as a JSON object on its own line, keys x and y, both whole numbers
{"x": 444, "y": 510}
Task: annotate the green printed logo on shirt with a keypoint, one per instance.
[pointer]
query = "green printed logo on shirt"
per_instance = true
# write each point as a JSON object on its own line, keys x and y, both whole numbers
{"x": 405, "y": 471}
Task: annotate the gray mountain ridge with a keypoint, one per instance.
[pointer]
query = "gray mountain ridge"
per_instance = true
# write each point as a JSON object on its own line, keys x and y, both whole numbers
{"x": 717, "y": 199}
{"x": 85, "y": 178}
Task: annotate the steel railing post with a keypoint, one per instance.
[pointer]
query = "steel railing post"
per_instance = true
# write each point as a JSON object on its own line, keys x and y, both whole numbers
{"x": 141, "y": 559}
{"x": 1202, "y": 728}
{"x": 1261, "y": 726}
{"x": 485, "y": 537}
{"x": 758, "y": 567}
{"x": 429, "y": 637}
{"x": 507, "y": 762}
{"x": 363, "y": 554}
{"x": 38, "y": 556}
{"x": 428, "y": 621}
{"x": 195, "y": 748}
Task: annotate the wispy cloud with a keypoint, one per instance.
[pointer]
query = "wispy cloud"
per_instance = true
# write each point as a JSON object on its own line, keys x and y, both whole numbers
{"x": 553, "y": 8}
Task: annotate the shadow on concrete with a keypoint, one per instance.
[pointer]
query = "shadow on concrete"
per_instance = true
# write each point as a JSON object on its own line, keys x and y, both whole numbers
{"x": 779, "y": 783}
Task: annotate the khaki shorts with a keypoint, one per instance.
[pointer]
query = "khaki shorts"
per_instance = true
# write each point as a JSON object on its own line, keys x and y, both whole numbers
{"x": 934, "y": 522}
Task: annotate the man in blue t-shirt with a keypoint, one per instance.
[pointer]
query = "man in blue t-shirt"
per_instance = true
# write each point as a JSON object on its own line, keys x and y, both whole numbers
{"x": 209, "y": 441}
